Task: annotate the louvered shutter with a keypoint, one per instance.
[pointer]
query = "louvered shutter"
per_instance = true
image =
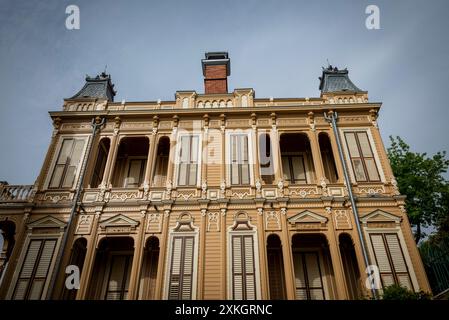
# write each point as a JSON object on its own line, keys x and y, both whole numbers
{"x": 250, "y": 273}
{"x": 398, "y": 261}
{"x": 275, "y": 273}
{"x": 187, "y": 268}
{"x": 181, "y": 269}
{"x": 383, "y": 263}
{"x": 243, "y": 268}
{"x": 34, "y": 272}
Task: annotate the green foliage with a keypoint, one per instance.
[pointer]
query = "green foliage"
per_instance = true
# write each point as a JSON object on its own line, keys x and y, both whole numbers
{"x": 398, "y": 292}
{"x": 420, "y": 178}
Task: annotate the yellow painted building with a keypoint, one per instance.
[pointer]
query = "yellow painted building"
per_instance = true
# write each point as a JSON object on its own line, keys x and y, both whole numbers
{"x": 215, "y": 195}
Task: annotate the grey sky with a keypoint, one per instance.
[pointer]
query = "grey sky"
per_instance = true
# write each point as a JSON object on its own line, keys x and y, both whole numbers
{"x": 153, "y": 48}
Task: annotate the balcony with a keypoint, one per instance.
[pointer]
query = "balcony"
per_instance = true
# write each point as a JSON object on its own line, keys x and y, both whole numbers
{"x": 16, "y": 193}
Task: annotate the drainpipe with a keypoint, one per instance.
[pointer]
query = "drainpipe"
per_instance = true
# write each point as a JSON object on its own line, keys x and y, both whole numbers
{"x": 96, "y": 124}
{"x": 332, "y": 119}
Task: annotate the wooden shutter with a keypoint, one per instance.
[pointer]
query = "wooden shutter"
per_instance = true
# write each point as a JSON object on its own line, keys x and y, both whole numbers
{"x": 119, "y": 274}
{"x": 308, "y": 276}
{"x": 243, "y": 268}
{"x": 239, "y": 160}
{"x": 34, "y": 272}
{"x": 362, "y": 157}
{"x": 276, "y": 273}
{"x": 390, "y": 260}
{"x": 181, "y": 268}
{"x": 67, "y": 163}
{"x": 188, "y": 164}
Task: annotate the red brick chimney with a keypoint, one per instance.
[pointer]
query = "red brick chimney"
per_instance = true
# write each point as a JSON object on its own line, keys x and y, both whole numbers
{"x": 216, "y": 69}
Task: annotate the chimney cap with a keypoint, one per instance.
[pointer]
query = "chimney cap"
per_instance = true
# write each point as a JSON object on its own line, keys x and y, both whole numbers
{"x": 214, "y": 58}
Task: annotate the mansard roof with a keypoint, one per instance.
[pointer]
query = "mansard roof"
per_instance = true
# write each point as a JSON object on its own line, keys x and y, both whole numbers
{"x": 99, "y": 87}
{"x": 334, "y": 80}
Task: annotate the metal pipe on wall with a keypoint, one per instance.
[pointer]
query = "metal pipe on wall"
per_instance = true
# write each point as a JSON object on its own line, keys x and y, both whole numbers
{"x": 332, "y": 119}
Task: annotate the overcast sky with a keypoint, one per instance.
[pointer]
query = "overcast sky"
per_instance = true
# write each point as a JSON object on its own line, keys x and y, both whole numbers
{"x": 278, "y": 48}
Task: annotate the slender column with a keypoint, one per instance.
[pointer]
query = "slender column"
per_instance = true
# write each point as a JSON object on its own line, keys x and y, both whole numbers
{"x": 262, "y": 255}
{"x": 172, "y": 154}
{"x": 151, "y": 159}
{"x": 109, "y": 167}
{"x": 137, "y": 259}
{"x": 163, "y": 245}
{"x": 381, "y": 152}
{"x": 202, "y": 257}
{"x": 275, "y": 143}
{"x": 224, "y": 265}
{"x": 316, "y": 155}
{"x": 89, "y": 260}
{"x": 337, "y": 160}
{"x": 337, "y": 264}
{"x": 223, "y": 181}
{"x": 288, "y": 259}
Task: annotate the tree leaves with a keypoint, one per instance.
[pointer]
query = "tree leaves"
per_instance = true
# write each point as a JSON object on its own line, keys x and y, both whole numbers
{"x": 420, "y": 178}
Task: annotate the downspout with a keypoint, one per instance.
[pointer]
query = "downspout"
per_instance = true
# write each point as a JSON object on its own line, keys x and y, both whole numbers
{"x": 96, "y": 124}
{"x": 332, "y": 119}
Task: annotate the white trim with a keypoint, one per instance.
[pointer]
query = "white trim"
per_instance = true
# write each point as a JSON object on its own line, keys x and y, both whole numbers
{"x": 61, "y": 138}
{"x": 397, "y": 230}
{"x": 228, "y": 134}
{"x": 373, "y": 148}
{"x": 196, "y": 236}
{"x": 257, "y": 262}
{"x": 177, "y": 158}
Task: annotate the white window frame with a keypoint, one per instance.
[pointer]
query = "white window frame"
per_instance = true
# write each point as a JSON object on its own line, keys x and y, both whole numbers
{"x": 63, "y": 137}
{"x": 373, "y": 148}
{"x": 178, "y": 158}
{"x": 229, "y": 133}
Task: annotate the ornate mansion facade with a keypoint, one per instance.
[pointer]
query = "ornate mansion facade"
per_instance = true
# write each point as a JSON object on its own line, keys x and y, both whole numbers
{"x": 214, "y": 195}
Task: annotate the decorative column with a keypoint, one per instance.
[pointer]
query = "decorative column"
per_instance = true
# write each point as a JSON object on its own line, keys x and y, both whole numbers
{"x": 204, "y": 157}
{"x": 89, "y": 260}
{"x": 262, "y": 252}
{"x": 151, "y": 159}
{"x": 255, "y": 151}
{"x": 163, "y": 245}
{"x": 137, "y": 258}
{"x": 202, "y": 250}
{"x": 275, "y": 143}
{"x": 113, "y": 149}
{"x": 315, "y": 148}
{"x": 223, "y": 182}
{"x": 335, "y": 154}
{"x": 287, "y": 257}
{"x": 224, "y": 265}
{"x": 172, "y": 153}
{"x": 337, "y": 264}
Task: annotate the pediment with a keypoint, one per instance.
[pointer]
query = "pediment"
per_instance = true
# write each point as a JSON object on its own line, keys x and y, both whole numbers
{"x": 47, "y": 222}
{"x": 307, "y": 217}
{"x": 380, "y": 216}
{"x": 119, "y": 221}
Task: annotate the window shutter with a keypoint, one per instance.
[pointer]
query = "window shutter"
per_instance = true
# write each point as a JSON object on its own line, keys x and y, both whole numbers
{"x": 383, "y": 263}
{"x": 34, "y": 272}
{"x": 187, "y": 270}
{"x": 243, "y": 268}
{"x": 181, "y": 269}
{"x": 250, "y": 274}
{"x": 399, "y": 264}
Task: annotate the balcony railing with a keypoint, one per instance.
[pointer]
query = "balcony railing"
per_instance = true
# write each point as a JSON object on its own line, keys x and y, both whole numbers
{"x": 16, "y": 193}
